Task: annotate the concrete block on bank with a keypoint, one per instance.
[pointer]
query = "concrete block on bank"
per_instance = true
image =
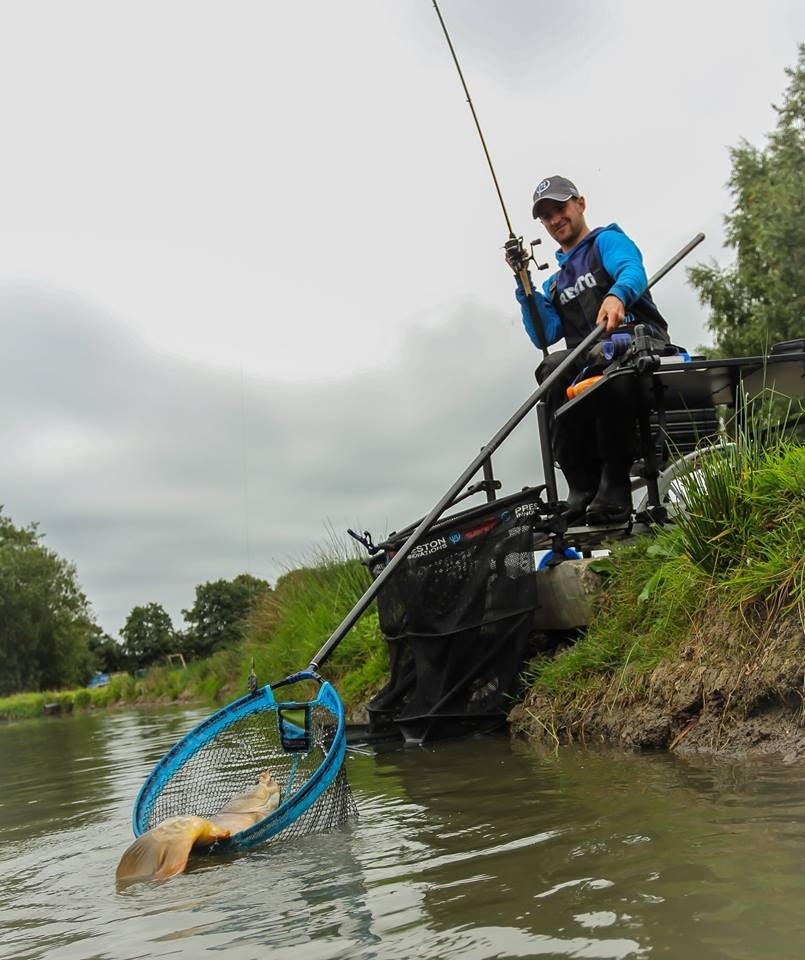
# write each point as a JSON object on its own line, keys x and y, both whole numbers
{"x": 566, "y": 595}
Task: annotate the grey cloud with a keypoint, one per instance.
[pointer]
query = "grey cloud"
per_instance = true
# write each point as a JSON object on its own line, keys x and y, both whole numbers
{"x": 169, "y": 473}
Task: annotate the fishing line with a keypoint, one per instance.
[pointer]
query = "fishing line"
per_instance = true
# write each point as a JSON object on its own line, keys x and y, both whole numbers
{"x": 245, "y": 471}
{"x": 475, "y": 118}
{"x": 517, "y": 256}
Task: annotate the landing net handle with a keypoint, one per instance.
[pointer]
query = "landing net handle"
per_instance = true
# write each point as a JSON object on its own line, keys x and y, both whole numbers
{"x": 307, "y": 789}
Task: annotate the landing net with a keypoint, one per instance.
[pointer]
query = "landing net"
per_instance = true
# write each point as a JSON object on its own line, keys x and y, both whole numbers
{"x": 302, "y": 745}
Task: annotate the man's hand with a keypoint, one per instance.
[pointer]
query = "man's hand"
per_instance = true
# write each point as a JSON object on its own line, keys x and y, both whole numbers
{"x": 516, "y": 257}
{"x": 611, "y": 313}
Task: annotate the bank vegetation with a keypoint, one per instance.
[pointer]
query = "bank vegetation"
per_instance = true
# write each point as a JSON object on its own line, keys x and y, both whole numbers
{"x": 698, "y": 640}
{"x": 278, "y": 636}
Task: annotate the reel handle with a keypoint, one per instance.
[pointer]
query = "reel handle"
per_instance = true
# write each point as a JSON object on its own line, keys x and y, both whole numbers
{"x": 518, "y": 257}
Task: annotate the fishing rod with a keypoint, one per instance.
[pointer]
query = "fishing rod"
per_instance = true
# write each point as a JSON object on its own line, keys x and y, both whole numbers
{"x": 516, "y": 255}
{"x": 486, "y": 452}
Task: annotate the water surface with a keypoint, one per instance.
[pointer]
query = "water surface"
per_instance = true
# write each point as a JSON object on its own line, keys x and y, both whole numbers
{"x": 473, "y": 849}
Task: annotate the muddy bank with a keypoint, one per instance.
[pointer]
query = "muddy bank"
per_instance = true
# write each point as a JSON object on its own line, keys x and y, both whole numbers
{"x": 735, "y": 691}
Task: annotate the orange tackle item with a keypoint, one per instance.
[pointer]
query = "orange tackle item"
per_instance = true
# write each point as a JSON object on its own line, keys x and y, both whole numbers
{"x": 577, "y": 388}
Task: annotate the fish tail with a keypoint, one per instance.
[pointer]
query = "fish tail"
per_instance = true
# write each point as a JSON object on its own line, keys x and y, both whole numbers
{"x": 163, "y": 851}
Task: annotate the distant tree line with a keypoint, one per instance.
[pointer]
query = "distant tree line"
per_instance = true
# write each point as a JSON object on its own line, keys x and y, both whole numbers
{"x": 215, "y": 621}
{"x": 48, "y": 635}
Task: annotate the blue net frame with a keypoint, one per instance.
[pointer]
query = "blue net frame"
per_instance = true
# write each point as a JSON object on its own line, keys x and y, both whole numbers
{"x": 301, "y": 743}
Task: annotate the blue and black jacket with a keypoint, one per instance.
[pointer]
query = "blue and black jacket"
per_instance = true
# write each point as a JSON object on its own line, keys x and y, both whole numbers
{"x": 605, "y": 262}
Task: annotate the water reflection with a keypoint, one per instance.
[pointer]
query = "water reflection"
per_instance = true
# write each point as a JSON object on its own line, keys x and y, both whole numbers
{"x": 51, "y": 765}
{"x": 474, "y": 849}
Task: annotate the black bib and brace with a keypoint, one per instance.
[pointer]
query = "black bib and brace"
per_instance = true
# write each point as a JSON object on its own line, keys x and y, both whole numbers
{"x": 578, "y": 290}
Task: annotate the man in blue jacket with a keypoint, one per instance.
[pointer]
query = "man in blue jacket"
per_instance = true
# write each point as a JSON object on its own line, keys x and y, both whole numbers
{"x": 601, "y": 279}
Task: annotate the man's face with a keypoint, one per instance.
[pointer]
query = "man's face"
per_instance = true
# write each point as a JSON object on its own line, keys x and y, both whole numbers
{"x": 564, "y": 220}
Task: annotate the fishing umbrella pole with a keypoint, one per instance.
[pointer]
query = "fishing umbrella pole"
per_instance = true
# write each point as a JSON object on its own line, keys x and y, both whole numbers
{"x": 516, "y": 254}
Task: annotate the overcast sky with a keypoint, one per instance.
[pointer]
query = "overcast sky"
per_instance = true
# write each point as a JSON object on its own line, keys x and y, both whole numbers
{"x": 251, "y": 278}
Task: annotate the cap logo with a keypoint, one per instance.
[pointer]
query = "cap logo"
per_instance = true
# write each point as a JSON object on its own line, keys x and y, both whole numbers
{"x": 543, "y": 186}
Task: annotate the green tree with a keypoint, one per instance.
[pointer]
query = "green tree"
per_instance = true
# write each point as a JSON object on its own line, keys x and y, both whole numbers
{"x": 221, "y": 607}
{"x": 45, "y": 619}
{"x": 760, "y": 299}
{"x": 148, "y": 634}
{"x": 107, "y": 654}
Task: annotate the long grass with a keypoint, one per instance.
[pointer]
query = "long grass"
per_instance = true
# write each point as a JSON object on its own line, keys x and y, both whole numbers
{"x": 306, "y": 607}
{"x": 736, "y": 545}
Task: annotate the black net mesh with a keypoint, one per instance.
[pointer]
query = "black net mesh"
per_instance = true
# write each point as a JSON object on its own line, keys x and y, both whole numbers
{"x": 333, "y": 808}
{"x": 231, "y": 762}
{"x": 458, "y": 615}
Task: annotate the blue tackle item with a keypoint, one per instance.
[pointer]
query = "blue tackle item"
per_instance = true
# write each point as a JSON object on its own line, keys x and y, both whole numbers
{"x": 616, "y": 346}
{"x": 301, "y": 743}
{"x": 551, "y": 558}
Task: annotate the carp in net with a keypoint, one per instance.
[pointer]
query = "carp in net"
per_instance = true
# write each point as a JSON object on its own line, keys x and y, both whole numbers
{"x": 301, "y": 743}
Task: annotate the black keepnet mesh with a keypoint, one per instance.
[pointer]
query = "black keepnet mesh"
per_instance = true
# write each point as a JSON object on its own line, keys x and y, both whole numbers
{"x": 457, "y": 615}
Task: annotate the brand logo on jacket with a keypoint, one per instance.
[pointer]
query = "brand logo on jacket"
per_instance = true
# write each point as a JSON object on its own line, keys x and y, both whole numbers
{"x": 585, "y": 282}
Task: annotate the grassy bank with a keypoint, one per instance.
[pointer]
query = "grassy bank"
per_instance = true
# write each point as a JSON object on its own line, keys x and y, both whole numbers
{"x": 306, "y": 607}
{"x": 699, "y": 629}
{"x": 281, "y": 637}
{"x": 21, "y": 706}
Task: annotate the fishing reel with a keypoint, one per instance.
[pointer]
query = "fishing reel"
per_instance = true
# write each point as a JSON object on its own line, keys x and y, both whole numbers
{"x": 518, "y": 257}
